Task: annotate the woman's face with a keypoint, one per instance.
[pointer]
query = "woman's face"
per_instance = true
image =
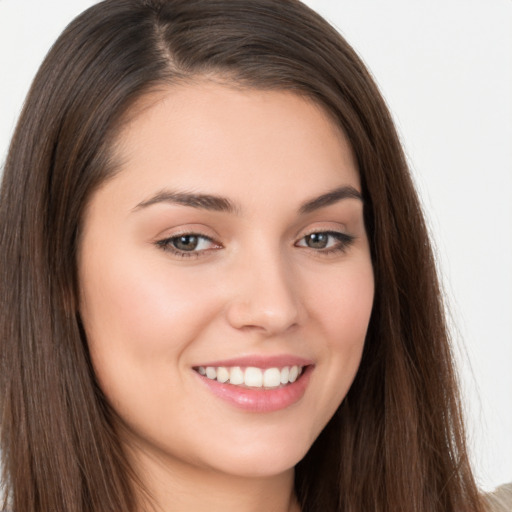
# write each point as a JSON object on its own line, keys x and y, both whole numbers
{"x": 232, "y": 244}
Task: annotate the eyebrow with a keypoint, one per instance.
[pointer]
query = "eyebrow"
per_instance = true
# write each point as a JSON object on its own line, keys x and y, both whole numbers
{"x": 330, "y": 198}
{"x": 201, "y": 201}
{"x": 223, "y": 204}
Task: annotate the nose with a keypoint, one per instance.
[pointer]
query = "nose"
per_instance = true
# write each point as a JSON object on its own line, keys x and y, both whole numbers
{"x": 264, "y": 295}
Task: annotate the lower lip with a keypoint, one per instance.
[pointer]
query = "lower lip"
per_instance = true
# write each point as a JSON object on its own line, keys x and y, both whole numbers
{"x": 260, "y": 399}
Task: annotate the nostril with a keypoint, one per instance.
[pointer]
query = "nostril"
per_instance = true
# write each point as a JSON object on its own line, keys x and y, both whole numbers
{"x": 267, "y": 315}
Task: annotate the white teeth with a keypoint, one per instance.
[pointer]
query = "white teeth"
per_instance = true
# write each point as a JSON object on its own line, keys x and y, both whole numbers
{"x": 236, "y": 376}
{"x": 222, "y": 374}
{"x": 211, "y": 372}
{"x": 252, "y": 377}
{"x": 271, "y": 378}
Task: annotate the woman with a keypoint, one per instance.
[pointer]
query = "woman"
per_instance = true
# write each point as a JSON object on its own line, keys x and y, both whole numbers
{"x": 218, "y": 287}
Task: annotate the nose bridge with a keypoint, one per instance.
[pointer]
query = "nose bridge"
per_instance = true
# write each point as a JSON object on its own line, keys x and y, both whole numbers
{"x": 264, "y": 295}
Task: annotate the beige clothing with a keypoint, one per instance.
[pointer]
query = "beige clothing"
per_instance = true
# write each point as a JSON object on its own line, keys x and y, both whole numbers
{"x": 500, "y": 500}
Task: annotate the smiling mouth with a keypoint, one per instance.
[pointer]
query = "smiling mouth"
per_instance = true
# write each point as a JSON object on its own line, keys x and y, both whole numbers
{"x": 252, "y": 377}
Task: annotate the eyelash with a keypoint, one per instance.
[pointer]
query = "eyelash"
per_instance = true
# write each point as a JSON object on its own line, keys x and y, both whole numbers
{"x": 343, "y": 242}
{"x": 167, "y": 245}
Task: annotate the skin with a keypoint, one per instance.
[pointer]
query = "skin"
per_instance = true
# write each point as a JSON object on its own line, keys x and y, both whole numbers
{"x": 254, "y": 286}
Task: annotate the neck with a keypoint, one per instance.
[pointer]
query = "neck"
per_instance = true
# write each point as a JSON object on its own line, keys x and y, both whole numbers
{"x": 174, "y": 486}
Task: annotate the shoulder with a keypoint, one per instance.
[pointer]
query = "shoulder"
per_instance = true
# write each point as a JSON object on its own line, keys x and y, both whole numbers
{"x": 500, "y": 500}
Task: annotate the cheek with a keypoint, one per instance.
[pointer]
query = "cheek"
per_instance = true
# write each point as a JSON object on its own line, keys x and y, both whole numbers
{"x": 342, "y": 309}
{"x": 134, "y": 301}
{"x": 343, "y": 305}
{"x": 139, "y": 319}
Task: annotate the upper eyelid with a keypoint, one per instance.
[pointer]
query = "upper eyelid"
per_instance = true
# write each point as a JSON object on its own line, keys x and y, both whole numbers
{"x": 322, "y": 226}
{"x": 168, "y": 235}
{"x": 188, "y": 233}
{"x": 323, "y": 230}
{"x": 212, "y": 238}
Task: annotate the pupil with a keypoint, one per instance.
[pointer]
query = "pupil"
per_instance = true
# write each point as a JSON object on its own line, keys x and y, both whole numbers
{"x": 317, "y": 240}
{"x": 186, "y": 242}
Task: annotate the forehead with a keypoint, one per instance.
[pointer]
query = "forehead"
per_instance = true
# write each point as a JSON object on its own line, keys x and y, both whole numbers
{"x": 228, "y": 140}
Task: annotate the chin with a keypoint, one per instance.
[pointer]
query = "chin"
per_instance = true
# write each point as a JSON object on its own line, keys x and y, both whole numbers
{"x": 258, "y": 457}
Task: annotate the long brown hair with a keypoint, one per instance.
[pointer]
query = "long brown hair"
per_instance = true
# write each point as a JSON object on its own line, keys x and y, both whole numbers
{"x": 396, "y": 442}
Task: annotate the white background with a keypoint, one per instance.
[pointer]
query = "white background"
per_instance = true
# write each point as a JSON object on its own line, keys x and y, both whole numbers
{"x": 445, "y": 69}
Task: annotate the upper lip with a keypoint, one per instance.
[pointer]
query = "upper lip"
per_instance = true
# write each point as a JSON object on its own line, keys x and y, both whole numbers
{"x": 261, "y": 361}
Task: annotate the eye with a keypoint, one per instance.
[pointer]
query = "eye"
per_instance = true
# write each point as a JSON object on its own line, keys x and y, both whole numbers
{"x": 326, "y": 241}
{"x": 187, "y": 244}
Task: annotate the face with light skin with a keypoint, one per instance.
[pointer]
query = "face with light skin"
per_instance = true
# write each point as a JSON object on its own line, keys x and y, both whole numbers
{"x": 232, "y": 229}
